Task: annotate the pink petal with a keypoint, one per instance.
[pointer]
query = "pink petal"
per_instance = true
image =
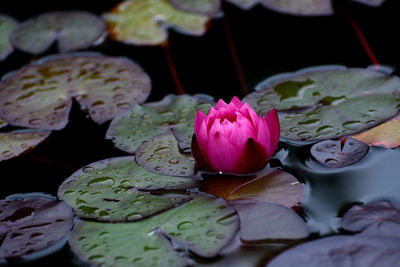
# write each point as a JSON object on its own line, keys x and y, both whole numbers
{"x": 221, "y": 104}
{"x": 274, "y": 127}
{"x": 264, "y": 137}
{"x": 200, "y": 116}
{"x": 202, "y": 138}
{"x": 252, "y": 158}
{"x": 244, "y": 130}
{"x": 221, "y": 154}
{"x": 250, "y": 114}
{"x": 229, "y": 128}
{"x": 236, "y": 102}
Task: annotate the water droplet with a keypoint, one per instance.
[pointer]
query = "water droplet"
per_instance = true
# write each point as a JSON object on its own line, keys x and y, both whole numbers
{"x": 325, "y": 130}
{"x": 35, "y": 121}
{"x": 167, "y": 113}
{"x": 88, "y": 169}
{"x": 331, "y": 162}
{"x": 301, "y": 134}
{"x": 162, "y": 150}
{"x": 173, "y": 161}
{"x": 309, "y": 123}
{"x": 123, "y": 105}
{"x": 293, "y": 129}
{"x": 227, "y": 219}
{"x": 220, "y": 236}
{"x": 351, "y": 125}
{"x": 185, "y": 225}
{"x": 134, "y": 216}
{"x": 211, "y": 232}
{"x": 101, "y": 183}
{"x": 145, "y": 116}
{"x": 98, "y": 103}
{"x": 158, "y": 168}
{"x": 263, "y": 102}
{"x": 150, "y": 159}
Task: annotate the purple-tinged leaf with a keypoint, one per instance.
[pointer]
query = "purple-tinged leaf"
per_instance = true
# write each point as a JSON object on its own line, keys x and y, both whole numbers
{"x": 373, "y": 219}
{"x": 342, "y": 251}
{"x": 262, "y": 221}
{"x": 335, "y": 154}
{"x": 13, "y": 144}
{"x": 30, "y": 225}
{"x": 72, "y": 29}
{"x": 7, "y": 25}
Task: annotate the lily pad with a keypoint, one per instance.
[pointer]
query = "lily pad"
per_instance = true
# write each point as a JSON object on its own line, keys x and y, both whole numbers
{"x": 342, "y": 251}
{"x": 274, "y": 186}
{"x": 371, "y": 2}
{"x": 387, "y": 134}
{"x": 269, "y": 223}
{"x": 141, "y": 122}
{"x": 160, "y": 154}
{"x": 373, "y": 219}
{"x": 40, "y": 95}
{"x": 2, "y": 123}
{"x": 205, "y": 7}
{"x": 335, "y": 154}
{"x": 244, "y": 4}
{"x": 7, "y": 25}
{"x": 118, "y": 189}
{"x": 327, "y": 103}
{"x": 30, "y": 225}
{"x": 145, "y": 22}
{"x": 72, "y": 30}
{"x": 203, "y": 225}
{"x": 13, "y": 144}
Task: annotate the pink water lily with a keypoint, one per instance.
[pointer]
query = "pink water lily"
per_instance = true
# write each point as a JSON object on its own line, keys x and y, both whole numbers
{"x": 233, "y": 139}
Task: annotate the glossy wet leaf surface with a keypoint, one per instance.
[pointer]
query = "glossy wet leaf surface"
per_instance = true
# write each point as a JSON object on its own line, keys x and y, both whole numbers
{"x": 273, "y": 186}
{"x": 13, "y": 144}
{"x": 206, "y": 7}
{"x": 40, "y": 95}
{"x": 373, "y": 219}
{"x": 203, "y": 225}
{"x": 145, "y": 22}
{"x": 30, "y": 225}
{"x": 72, "y": 30}
{"x": 342, "y": 251}
{"x": 320, "y": 103}
{"x": 266, "y": 222}
{"x": 387, "y": 134}
{"x": 142, "y": 122}
{"x": 118, "y": 189}
{"x": 7, "y": 25}
{"x": 335, "y": 154}
{"x": 160, "y": 154}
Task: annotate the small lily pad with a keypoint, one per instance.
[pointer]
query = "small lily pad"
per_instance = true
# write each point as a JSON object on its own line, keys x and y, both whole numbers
{"x": 205, "y": 7}
{"x": 118, "y": 189}
{"x": 203, "y": 225}
{"x": 7, "y": 25}
{"x": 72, "y": 29}
{"x": 145, "y": 22}
{"x": 342, "y": 251}
{"x": 387, "y": 134}
{"x": 13, "y": 144}
{"x": 40, "y": 95}
{"x": 373, "y": 219}
{"x": 268, "y": 222}
{"x": 30, "y": 225}
{"x": 274, "y": 186}
{"x": 326, "y": 103}
{"x": 335, "y": 154}
{"x": 141, "y": 122}
{"x": 160, "y": 154}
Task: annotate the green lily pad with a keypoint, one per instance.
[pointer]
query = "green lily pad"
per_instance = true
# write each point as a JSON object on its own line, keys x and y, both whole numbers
{"x": 328, "y": 103}
{"x": 40, "y": 95}
{"x": 205, "y": 7}
{"x": 72, "y": 29}
{"x": 145, "y": 22}
{"x": 141, "y": 122}
{"x": 160, "y": 154}
{"x": 7, "y": 25}
{"x": 13, "y": 144}
{"x": 203, "y": 225}
{"x": 118, "y": 189}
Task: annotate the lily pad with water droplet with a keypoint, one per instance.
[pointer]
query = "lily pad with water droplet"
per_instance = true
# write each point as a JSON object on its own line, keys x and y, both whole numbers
{"x": 325, "y": 103}
{"x": 203, "y": 225}
{"x": 40, "y": 95}
{"x": 273, "y": 186}
{"x": 31, "y": 225}
{"x": 373, "y": 219}
{"x": 205, "y": 7}
{"x": 160, "y": 154}
{"x": 342, "y": 251}
{"x": 72, "y": 30}
{"x": 7, "y": 25}
{"x": 145, "y": 22}
{"x": 118, "y": 189}
{"x": 141, "y": 122}
{"x": 15, "y": 143}
{"x": 335, "y": 154}
{"x": 266, "y": 222}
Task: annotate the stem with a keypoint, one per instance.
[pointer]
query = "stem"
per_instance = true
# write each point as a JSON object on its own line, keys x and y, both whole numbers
{"x": 173, "y": 71}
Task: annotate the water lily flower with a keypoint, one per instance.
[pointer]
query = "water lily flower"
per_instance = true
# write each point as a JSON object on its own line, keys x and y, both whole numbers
{"x": 232, "y": 138}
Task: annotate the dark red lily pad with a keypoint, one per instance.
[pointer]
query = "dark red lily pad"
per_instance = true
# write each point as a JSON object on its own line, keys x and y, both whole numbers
{"x": 342, "y": 251}
{"x": 205, "y": 7}
{"x": 335, "y": 154}
{"x": 40, "y": 95}
{"x": 160, "y": 154}
{"x": 30, "y": 225}
{"x": 373, "y": 219}
{"x": 72, "y": 30}
{"x": 119, "y": 190}
{"x": 7, "y": 25}
{"x": 266, "y": 222}
{"x": 13, "y": 144}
